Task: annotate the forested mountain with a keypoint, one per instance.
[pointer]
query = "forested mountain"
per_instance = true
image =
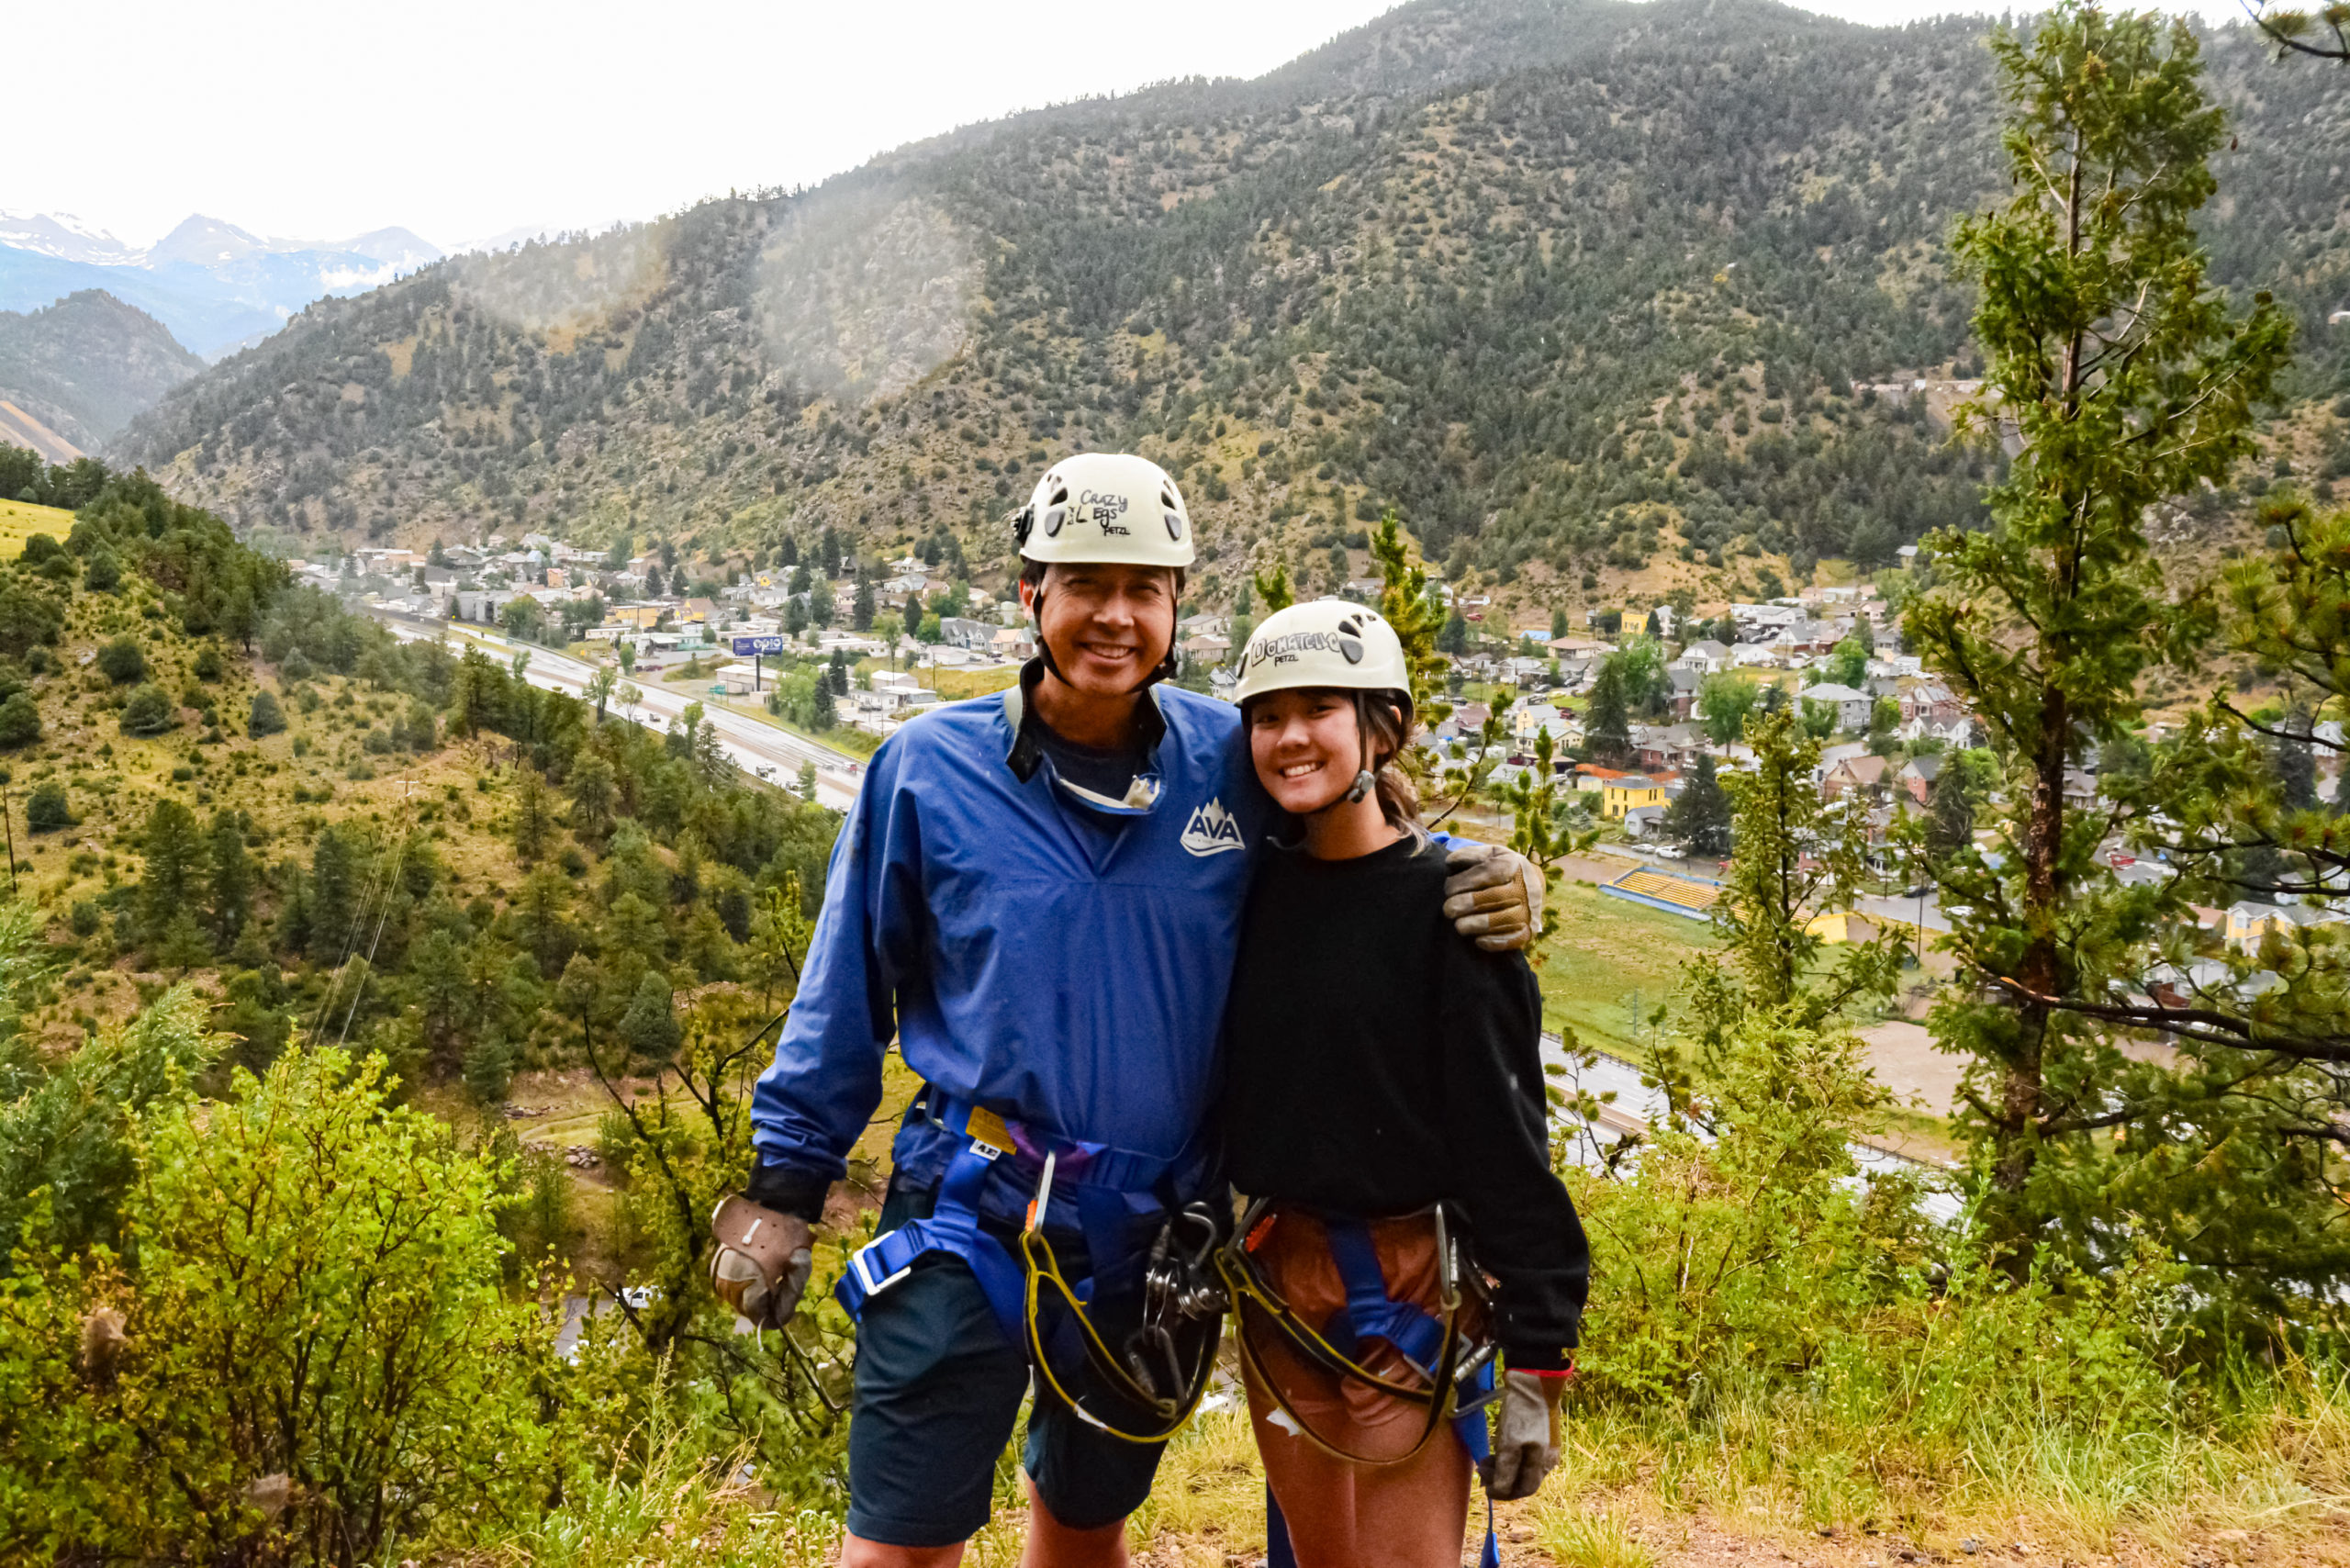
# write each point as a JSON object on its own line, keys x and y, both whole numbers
{"x": 86, "y": 364}
{"x": 1582, "y": 290}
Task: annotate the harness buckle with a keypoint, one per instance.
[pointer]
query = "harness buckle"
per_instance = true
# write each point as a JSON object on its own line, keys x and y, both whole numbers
{"x": 863, "y": 1270}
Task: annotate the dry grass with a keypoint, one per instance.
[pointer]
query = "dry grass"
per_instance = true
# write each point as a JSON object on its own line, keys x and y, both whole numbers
{"x": 19, "y": 521}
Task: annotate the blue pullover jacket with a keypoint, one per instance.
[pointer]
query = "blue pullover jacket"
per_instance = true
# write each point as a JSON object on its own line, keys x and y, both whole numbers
{"x": 1070, "y": 980}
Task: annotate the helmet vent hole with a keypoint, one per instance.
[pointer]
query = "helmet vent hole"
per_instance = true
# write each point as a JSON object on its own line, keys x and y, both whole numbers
{"x": 1059, "y": 498}
{"x": 1167, "y": 499}
{"x": 1174, "y": 525}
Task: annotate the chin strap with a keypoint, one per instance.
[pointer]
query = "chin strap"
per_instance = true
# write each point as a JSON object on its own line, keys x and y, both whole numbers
{"x": 1366, "y": 779}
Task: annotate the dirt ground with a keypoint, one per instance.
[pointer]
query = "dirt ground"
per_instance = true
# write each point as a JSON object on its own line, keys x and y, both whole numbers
{"x": 1698, "y": 1540}
{"x": 1902, "y": 1056}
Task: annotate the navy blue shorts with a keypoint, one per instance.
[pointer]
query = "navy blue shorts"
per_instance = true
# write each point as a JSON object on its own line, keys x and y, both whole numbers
{"x": 938, "y": 1392}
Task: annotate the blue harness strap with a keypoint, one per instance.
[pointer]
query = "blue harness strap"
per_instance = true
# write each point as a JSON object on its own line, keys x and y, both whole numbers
{"x": 1418, "y": 1336}
{"x": 952, "y": 1227}
{"x": 1104, "y": 1191}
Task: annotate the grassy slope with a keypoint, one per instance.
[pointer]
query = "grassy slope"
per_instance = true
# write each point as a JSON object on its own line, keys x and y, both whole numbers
{"x": 19, "y": 521}
{"x": 113, "y": 782}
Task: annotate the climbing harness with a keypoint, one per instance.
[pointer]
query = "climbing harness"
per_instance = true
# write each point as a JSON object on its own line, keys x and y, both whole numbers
{"x": 1182, "y": 1304}
{"x": 1455, "y": 1370}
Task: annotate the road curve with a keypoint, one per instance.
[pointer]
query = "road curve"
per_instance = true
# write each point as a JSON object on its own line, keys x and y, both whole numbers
{"x": 761, "y": 750}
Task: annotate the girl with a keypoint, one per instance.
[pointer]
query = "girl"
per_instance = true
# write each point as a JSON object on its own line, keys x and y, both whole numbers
{"x": 1384, "y": 1113}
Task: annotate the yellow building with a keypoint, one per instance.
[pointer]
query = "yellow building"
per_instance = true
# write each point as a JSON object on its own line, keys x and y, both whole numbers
{"x": 1617, "y": 796}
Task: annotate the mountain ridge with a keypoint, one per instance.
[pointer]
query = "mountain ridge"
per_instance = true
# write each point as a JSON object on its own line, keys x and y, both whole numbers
{"x": 215, "y": 286}
{"x": 1608, "y": 318}
{"x": 85, "y": 367}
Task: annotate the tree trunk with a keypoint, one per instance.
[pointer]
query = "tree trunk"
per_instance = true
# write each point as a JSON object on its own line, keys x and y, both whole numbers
{"x": 2019, "y": 1099}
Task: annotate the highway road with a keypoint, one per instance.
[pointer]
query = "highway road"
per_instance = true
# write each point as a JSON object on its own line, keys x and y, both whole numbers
{"x": 758, "y": 748}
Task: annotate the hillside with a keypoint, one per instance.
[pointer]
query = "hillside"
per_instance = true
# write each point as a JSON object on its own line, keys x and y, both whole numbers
{"x": 1595, "y": 321}
{"x": 211, "y": 774}
{"x": 85, "y": 366}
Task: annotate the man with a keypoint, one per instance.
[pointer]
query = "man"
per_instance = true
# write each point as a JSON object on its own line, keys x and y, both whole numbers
{"x": 1040, "y": 896}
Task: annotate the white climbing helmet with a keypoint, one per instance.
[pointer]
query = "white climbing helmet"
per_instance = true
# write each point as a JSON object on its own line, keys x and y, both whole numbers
{"x": 1327, "y": 642}
{"x": 1109, "y": 507}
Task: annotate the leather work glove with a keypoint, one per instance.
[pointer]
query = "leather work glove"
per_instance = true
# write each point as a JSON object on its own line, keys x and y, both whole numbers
{"x": 1493, "y": 895}
{"x": 1526, "y": 1444}
{"x": 762, "y": 1261}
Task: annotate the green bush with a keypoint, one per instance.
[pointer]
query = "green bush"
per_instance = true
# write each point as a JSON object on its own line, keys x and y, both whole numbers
{"x": 103, "y": 574}
{"x": 313, "y": 1331}
{"x": 47, "y": 809}
{"x": 122, "y": 662}
{"x": 149, "y": 712}
{"x": 20, "y": 721}
{"x": 266, "y": 718}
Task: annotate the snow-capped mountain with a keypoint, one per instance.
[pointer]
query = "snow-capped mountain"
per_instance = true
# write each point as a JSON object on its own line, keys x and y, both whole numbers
{"x": 65, "y": 237}
{"x": 216, "y": 287}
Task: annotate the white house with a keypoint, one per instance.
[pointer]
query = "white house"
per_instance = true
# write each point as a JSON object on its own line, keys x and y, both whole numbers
{"x": 1852, "y": 707}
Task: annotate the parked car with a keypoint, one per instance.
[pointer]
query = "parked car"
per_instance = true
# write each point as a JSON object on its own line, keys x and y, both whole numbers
{"x": 1672, "y": 852}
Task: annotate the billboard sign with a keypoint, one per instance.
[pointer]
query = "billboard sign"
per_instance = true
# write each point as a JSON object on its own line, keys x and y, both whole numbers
{"x": 759, "y": 645}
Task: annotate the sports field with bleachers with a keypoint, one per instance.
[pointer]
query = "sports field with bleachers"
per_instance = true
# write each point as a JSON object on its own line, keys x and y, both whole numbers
{"x": 1691, "y": 896}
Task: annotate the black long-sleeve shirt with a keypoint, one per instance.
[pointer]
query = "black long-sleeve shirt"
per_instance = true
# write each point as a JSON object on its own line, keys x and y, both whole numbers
{"x": 1379, "y": 1062}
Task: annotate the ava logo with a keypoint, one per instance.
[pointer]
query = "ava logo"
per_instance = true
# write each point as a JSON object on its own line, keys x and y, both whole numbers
{"x": 1212, "y": 830}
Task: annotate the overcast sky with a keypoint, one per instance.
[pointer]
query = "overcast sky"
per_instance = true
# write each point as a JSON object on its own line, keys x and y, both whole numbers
{"x": 465, "y": 119}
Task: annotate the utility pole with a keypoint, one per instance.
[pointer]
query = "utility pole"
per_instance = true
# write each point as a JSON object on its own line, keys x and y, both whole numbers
{"x": 8, "y": 821}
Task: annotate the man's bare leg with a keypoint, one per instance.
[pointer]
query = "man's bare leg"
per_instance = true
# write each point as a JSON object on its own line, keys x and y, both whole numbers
{"x": 858, "y": 1552}
{"x": 1052, "y": 1544}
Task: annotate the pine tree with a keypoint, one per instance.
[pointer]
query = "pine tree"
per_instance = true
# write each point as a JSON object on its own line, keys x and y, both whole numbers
{"x": 229, "y": 896}
{"x": 182, "y": 945}
{"x": 331, "y": 906}
{"x": 2126, "y": 379}
{"x": 1699, "y": 818}
{"x": 649, "y": 1027}
{"x": 1606, "y": 729}
{"x": 1952, "y": 828}
{"x": 173, "y": 848}
{"x": 1795, "y": 857}
{"x": 533, "y": 815}
{"x": 1275, "y": 590}
{"x": 1403, "y": 600}
{"x": 860, "y": 615}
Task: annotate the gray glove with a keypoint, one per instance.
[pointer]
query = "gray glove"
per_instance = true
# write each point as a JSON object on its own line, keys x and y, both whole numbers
{"x": 761, "y": 1263}
{"x": 1495, "y": 895}
{"x": 1525, "y": 1445}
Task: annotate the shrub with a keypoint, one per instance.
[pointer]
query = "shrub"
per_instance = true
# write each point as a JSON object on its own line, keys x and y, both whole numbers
{"x": 650, "y": 1024}
{"x": 267, "y": 718}
{"x": 316, "y": 1296}
{"x": 103, "y": 574}
{"x": 39, "y": 548}
{"x": 208, "y": 666}
{"x": 297, "y": 666}
{"x": 149, "y": 712}
{"x": 121, "y": 662}
{"x": 20, "y": 721}
{"x": 47, "y": 809}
